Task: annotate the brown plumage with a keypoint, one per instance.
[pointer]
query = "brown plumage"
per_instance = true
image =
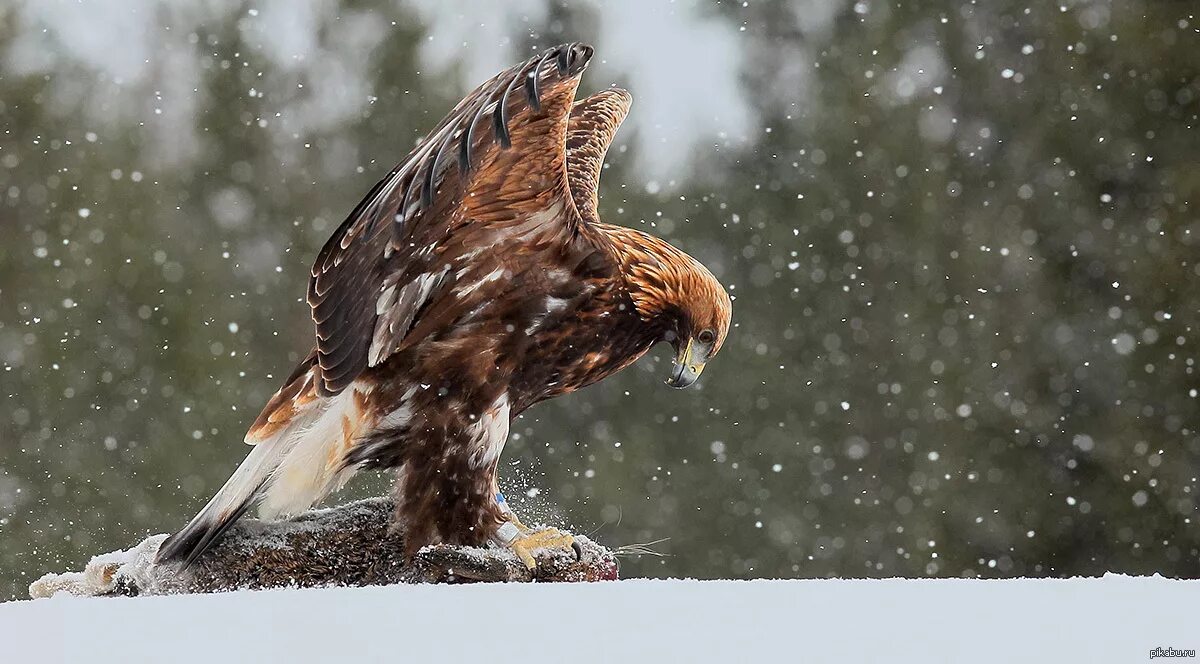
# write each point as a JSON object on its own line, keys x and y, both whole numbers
{"x": 472, "y": 282}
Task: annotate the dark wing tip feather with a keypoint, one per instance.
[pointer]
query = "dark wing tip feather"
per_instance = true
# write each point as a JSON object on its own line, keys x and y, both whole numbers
{"x": 570, "y": 60}
{"x": 500, "y": 126}
{"x": 533, "y": 94}
{"x": 531, "y": 91}
{"x": 424, "y": 166}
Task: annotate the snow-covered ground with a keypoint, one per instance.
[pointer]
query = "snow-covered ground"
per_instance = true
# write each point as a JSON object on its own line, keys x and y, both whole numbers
{"x": 1113, "y": 619}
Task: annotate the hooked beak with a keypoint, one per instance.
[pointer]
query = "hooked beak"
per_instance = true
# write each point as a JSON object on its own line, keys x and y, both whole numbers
{"x": 687, "y": 368}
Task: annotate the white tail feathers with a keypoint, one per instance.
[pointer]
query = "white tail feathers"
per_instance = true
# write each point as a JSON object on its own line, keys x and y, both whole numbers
{"x": 291, "y": 470}
{"x": 224, "y": 509}
{"x": 311, "y": 467}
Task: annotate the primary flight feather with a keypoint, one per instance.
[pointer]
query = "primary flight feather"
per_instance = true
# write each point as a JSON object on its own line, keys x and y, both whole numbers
{"x": 472, "y": 282}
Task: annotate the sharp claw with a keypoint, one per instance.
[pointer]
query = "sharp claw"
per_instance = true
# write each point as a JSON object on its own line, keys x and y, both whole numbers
{"x": 526, "y": 557}
{"x": 523, "y": 545}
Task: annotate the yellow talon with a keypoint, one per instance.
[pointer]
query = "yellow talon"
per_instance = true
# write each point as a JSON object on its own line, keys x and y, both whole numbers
{"x": 529, "y": 541}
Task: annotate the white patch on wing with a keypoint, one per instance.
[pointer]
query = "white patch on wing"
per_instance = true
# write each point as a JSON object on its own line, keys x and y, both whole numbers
{"x": 537, "y": 221}
{"x": 488, "y": 434}
{"x": 395, "y": 419}
{"x": 399, "y": 417}
{"x": 466, "y": 258}
{"x": 552, "y": 305}
{"x": 494, "y": 275}
{"x": 386, "y": 299}
{"x": 558, "y": 275}
{"x": 397, "y": 308}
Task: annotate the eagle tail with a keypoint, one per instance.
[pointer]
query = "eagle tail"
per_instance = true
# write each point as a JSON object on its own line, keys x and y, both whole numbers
{"x": 300, "y": 443}
{"x": 230, "y": 503}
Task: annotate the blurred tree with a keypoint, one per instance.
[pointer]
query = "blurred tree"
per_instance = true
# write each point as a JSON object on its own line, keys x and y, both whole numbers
{"x": 960, "y": 237}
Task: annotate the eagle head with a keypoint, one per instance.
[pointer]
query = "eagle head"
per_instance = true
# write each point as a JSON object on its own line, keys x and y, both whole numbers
{"x": 675, "y": 294}
{"x": 701, "y": 322}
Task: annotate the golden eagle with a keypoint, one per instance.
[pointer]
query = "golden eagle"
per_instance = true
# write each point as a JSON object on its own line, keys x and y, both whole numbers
{"x": 472, "y": 282}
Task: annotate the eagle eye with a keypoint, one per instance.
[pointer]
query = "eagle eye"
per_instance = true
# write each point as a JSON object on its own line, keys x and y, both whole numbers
{"x": 706, "y": 336}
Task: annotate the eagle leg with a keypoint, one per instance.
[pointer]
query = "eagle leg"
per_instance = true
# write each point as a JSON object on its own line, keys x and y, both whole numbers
{"x": 510, "y": 515}
{"x": 524, "y": 540}
{"x": 525, "y": 544}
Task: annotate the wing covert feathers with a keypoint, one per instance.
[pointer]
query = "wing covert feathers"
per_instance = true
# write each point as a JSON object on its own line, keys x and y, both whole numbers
{"x": 495, "y": 160}
{"x": 591, "y": 129}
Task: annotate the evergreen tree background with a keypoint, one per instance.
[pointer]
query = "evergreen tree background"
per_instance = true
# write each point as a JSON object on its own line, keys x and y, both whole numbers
{"x": 961, "y": 235}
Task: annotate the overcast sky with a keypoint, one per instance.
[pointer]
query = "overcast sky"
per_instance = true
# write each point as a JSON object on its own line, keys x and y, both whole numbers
{"x": 681, "y": 64}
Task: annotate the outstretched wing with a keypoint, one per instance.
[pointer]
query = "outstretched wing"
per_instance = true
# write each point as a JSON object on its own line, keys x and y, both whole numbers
{"x": 493, "y": 170}
{"x": 593, "y": 124}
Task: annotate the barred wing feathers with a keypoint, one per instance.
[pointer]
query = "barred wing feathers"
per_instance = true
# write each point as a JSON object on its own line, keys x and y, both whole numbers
{"x": 495, "y": 165}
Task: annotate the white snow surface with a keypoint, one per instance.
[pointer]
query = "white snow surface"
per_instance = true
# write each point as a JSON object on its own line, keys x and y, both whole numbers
{"x": 1110, "y": 619}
